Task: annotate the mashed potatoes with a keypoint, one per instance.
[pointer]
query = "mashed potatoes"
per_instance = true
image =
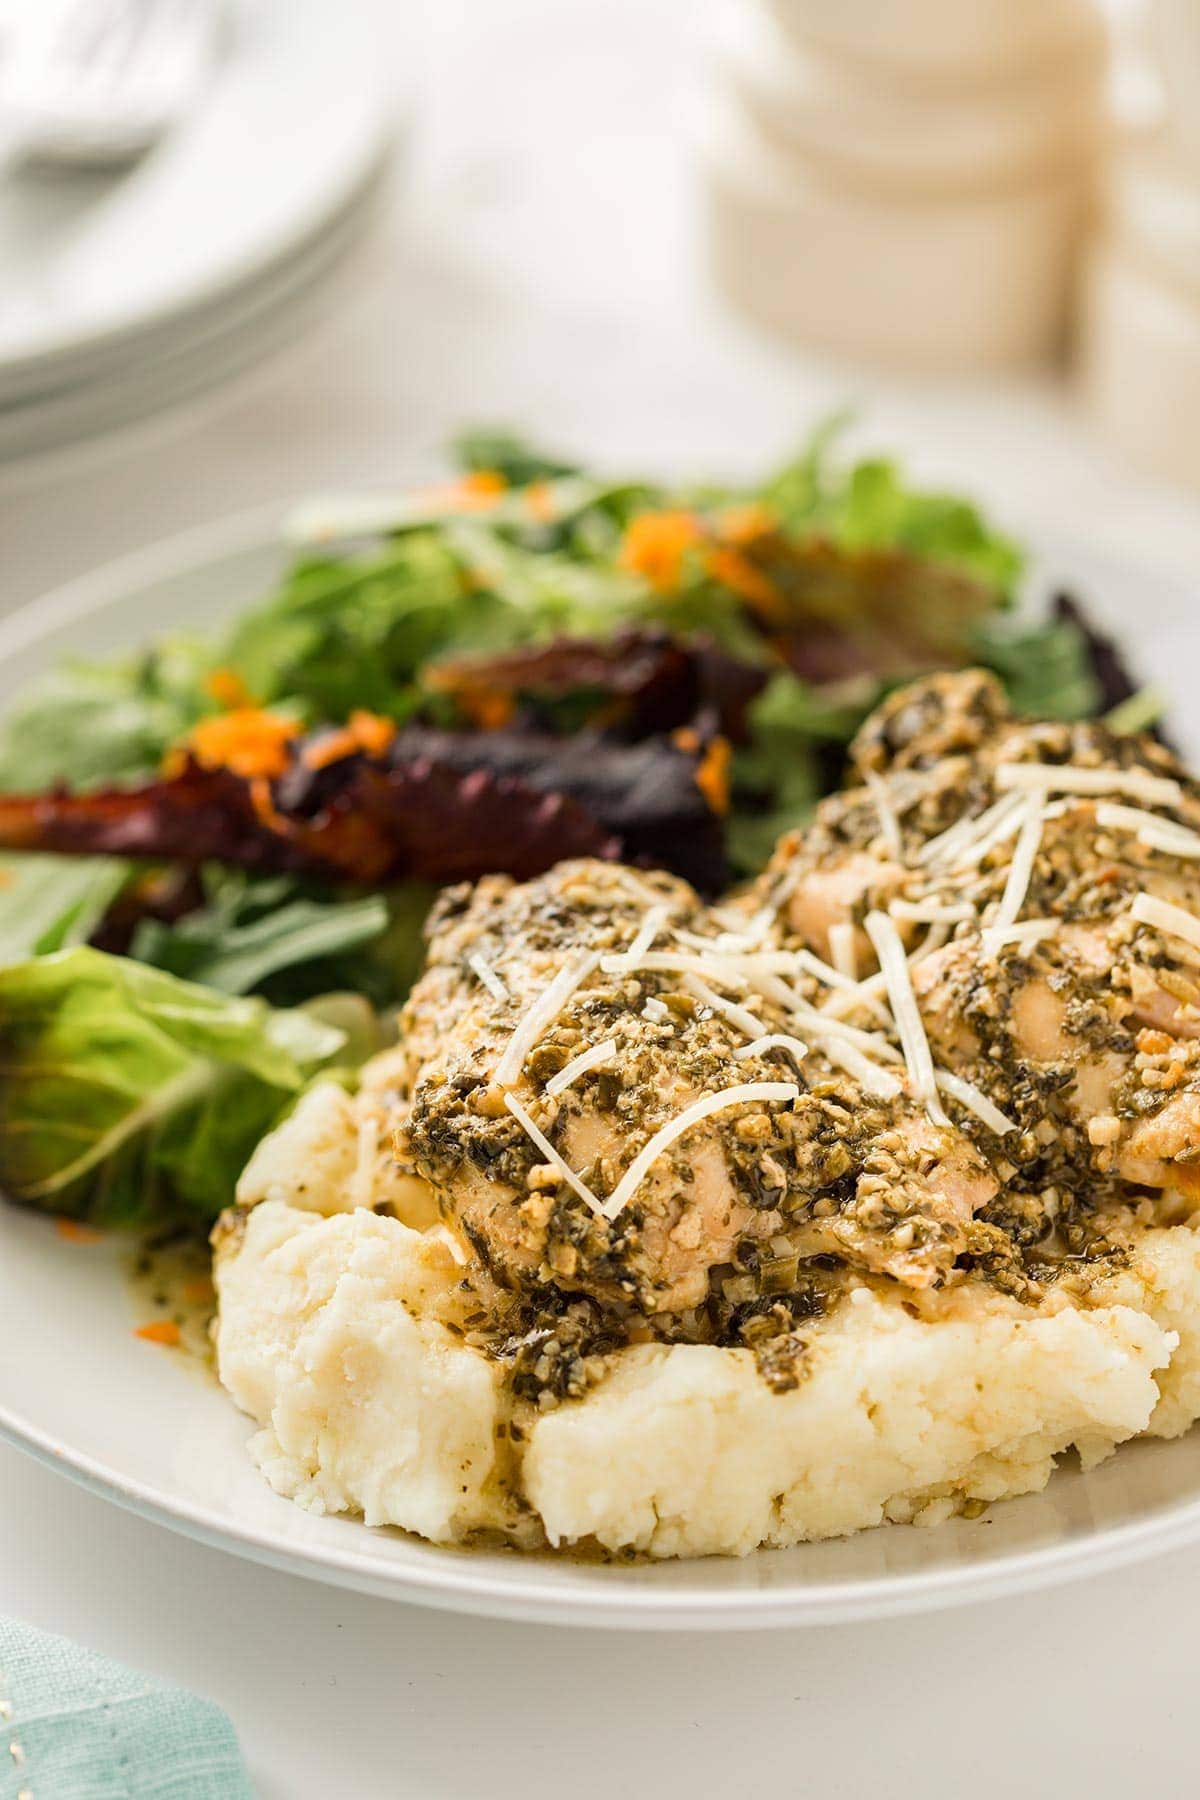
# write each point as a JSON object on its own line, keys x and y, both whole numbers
{"x": 340, "y": 1333}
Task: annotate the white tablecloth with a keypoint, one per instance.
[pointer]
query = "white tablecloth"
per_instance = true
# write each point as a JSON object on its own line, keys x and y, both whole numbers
{"x": 538, "y": 264}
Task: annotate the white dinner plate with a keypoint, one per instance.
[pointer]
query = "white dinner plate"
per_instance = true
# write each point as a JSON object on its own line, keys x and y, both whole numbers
{"x": 139, "y": 1425}
{"x": 99, "y": 267}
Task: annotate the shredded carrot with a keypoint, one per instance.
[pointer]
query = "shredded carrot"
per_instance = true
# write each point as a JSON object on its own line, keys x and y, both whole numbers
{"x": 491, "y": 711}
{"x": 264, "y": 805}
{"x": 372, "y": 732}
{"x": 227, "y": 688}
{"x": 539, "y": 499}
{"x": 712, "y": 776}
{"x": 247, "y": 740}
{"x": 330, "y": 747}
{"x": 364, "y": 731}
{"x": 473, "y": 492}
{"x": 77, "y": 1233}
{"x": 712, "y": 773}
{"x": 159, "y": 1331}
{"x": 742, "y": 525}
{"x": 481, "y": 484}
{"x": 735, "y": 570}
{"x": 488, "y": 707}
{"x": 655, "y": 545}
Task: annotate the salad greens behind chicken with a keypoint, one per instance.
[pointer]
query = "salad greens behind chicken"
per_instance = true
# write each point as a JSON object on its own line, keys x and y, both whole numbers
{"x": 212, "y": 842}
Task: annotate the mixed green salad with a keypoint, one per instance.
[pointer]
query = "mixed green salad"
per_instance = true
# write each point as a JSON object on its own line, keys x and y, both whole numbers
{"x": 219, "y": 850}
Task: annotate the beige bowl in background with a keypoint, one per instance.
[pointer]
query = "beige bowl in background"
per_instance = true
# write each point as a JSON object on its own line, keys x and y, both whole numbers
{"x": 945, "y": 40}
{"x": 1173, "y": 35}
{"x": 1048, "y": 118}
{"x": 1140, "y": 363}
{"x": 1152, "y": 209}
{"x": 968, "y": 282}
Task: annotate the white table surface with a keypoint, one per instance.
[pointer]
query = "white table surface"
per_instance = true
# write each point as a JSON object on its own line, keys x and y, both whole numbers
{"x": 538, "y": 263}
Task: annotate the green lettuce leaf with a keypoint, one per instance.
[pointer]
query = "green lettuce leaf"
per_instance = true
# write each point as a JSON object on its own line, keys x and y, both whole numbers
{"x": 868, "y": 505}
{"x": 90, "y": 723}
{"x": 1044, "y": 666}
{"x": 505, "y": 453}
{"x": 51, "y": 902}
{"x": 252, "y": 928}
{"x": 127, "y": 1095}
{"x": 780, "y": 778}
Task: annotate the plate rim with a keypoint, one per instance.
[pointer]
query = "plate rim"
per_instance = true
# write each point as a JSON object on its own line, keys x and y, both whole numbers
{"x": 453, "y": 1587}
{"x": 452, "y": 1584}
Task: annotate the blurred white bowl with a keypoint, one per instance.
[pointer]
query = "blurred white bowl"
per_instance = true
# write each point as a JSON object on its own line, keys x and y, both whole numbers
{"x": 1173, "y": 38}
{"x": 1048, "y": 118}
{"x": 944, "y": 40}
{"x": 1152, "y": 207}
{"x": 1140, "y": 363}
{"x": 939, "y": 284}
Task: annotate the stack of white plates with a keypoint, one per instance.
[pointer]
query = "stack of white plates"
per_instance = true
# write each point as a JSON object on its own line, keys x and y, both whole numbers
{"x": 123, "y": 294}
{"x": 906, "y": 181}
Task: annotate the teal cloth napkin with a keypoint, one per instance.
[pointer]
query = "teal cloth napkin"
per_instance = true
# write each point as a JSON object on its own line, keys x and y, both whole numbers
{"x": 74, "y": 1726}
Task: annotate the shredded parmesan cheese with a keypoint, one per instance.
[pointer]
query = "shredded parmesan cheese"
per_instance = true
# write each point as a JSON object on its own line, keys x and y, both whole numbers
{"x": 745, "y": 1020}
{"x": 717, "y": 968}
{"x": 889, "y": 824}
{"x": 774, "y": 1040}
{"x": 647, "y": 931}
{"x": 738, "y": 933}
{"x": 541, "y": 1015}
{"x": 843, "y": 949}
{"x": 1150, "y": 829}
{"x": 933, "y": 940}
{"x": 815, "y": 965}
{"x": 868, "y": 1074}
{"x": 679, "y": 1126}
{"x": 1027, "y": 933}
{"x": 633, "y": 884}
{"x": 972, "y": 854}
{"x": 893, "y": 965}
{"x": 1069, "y": 778}
{"x": 579, "y": 1065}
{"x": 823, "y": 1026}
{"x": 1020, "y": 872}
{"x": 867, "y": 993}
{"x": 487, "y": 977}
{"x": 975, "y": 1101}
{"x": 840, "y": 1043}
{"x": 966, "y": 831}
{"x": 551, "y": 1154}
{"x": 1148, "y": 910}
{"x": 931, "y": 912}
{"x": 654, "y": 1009}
